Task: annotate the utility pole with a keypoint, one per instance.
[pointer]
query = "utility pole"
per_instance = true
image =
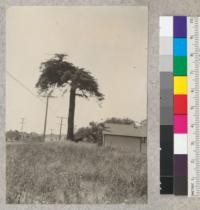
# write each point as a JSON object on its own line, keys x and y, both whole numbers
{"x": 22, "y": 123}
{"x": 51, "y": 134}
{"x": 46, "y": 112}
{"x": 22, "y": 127}
{"x": 61, "y": 125}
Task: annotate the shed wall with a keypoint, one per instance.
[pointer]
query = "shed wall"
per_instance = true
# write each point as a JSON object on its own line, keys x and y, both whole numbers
{"x": 132, "y": 144}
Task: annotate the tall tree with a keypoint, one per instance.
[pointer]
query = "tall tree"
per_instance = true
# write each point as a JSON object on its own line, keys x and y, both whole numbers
{"x": 57, "y": 72}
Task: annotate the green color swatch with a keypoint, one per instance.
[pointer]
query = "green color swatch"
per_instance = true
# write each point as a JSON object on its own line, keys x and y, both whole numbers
{"x": 180, "y": 66}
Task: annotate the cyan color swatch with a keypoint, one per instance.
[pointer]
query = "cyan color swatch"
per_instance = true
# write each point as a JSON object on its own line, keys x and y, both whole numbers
{"x": 180, "y": 47}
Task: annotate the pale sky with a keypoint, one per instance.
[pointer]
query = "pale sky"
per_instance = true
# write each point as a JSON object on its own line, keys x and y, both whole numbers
{"x": 108, "y": 41}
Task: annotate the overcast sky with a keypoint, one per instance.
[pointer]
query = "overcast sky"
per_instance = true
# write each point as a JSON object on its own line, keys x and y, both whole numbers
{"x": 108, "y": 41}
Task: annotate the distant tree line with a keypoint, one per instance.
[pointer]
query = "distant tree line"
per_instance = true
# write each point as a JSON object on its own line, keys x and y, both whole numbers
{"x": 15, "y": 135}
{"x": 125, "y": 121}
{"x": 92, "y": 133}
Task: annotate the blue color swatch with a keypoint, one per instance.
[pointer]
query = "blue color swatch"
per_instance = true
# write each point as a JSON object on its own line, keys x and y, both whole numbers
{"x": 180, "y": 47}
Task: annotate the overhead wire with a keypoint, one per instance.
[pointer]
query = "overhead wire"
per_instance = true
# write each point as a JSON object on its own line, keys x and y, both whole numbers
{"x": 26, "y": 88}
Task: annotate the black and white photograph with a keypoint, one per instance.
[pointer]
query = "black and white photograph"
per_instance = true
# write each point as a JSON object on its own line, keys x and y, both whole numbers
{"x": 76, "y": 104}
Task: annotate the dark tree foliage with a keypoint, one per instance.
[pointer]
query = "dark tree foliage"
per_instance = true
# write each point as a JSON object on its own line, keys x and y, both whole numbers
{"x": 57, "y": 72}
{"x": 13, "y": 135}
{"x": 125, "y": 121}
{"x": 92, "y": 133}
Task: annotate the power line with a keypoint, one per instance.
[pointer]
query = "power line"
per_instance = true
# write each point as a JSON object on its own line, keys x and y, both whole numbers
{"x": 22, "y": 85}
{"x": 38, "y": 97}
{"x": 26, "y": 88}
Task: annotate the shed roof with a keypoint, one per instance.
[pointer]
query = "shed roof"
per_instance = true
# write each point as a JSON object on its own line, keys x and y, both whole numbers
{"x": 124, "y": 130}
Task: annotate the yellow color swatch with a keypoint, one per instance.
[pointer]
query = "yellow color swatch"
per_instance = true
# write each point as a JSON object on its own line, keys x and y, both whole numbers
{"x": 180, "y": 85}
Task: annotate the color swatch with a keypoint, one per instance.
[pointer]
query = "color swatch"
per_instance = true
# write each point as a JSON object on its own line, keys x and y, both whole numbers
{"x": 173, "y": 104}
{"x": 180, "y": 118}
{"x": 180, "y": 105}
{"x": 166, "y": 105}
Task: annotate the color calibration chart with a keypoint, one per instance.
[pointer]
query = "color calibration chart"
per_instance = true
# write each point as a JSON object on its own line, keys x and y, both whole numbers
{"x": 179, "y": 65}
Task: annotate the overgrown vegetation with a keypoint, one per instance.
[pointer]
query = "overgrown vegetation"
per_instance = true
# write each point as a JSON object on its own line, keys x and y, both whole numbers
{"x": 68, "y": 173}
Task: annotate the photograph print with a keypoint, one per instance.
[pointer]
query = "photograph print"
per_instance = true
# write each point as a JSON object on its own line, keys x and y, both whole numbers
{"x": 76, "y": 105}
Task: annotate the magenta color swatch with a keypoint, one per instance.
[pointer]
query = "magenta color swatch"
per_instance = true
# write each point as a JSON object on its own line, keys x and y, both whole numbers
{"x": 180, "y": 123}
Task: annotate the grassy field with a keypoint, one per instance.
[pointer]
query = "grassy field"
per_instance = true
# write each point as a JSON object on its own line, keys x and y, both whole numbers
{"x": 74, "y": 173}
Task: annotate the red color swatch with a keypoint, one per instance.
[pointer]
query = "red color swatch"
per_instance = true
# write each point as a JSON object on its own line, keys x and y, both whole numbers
{"x": 180, "y": 104}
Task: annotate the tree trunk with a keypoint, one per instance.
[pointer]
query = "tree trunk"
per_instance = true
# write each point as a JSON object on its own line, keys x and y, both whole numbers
{"x": 70, "y": 131}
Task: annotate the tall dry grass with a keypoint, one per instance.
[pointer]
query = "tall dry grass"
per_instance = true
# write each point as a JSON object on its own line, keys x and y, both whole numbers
{"x": 74, "y": 173}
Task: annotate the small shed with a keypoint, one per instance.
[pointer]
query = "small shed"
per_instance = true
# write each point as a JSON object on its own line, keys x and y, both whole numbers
{"x": 125, "y": 137}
